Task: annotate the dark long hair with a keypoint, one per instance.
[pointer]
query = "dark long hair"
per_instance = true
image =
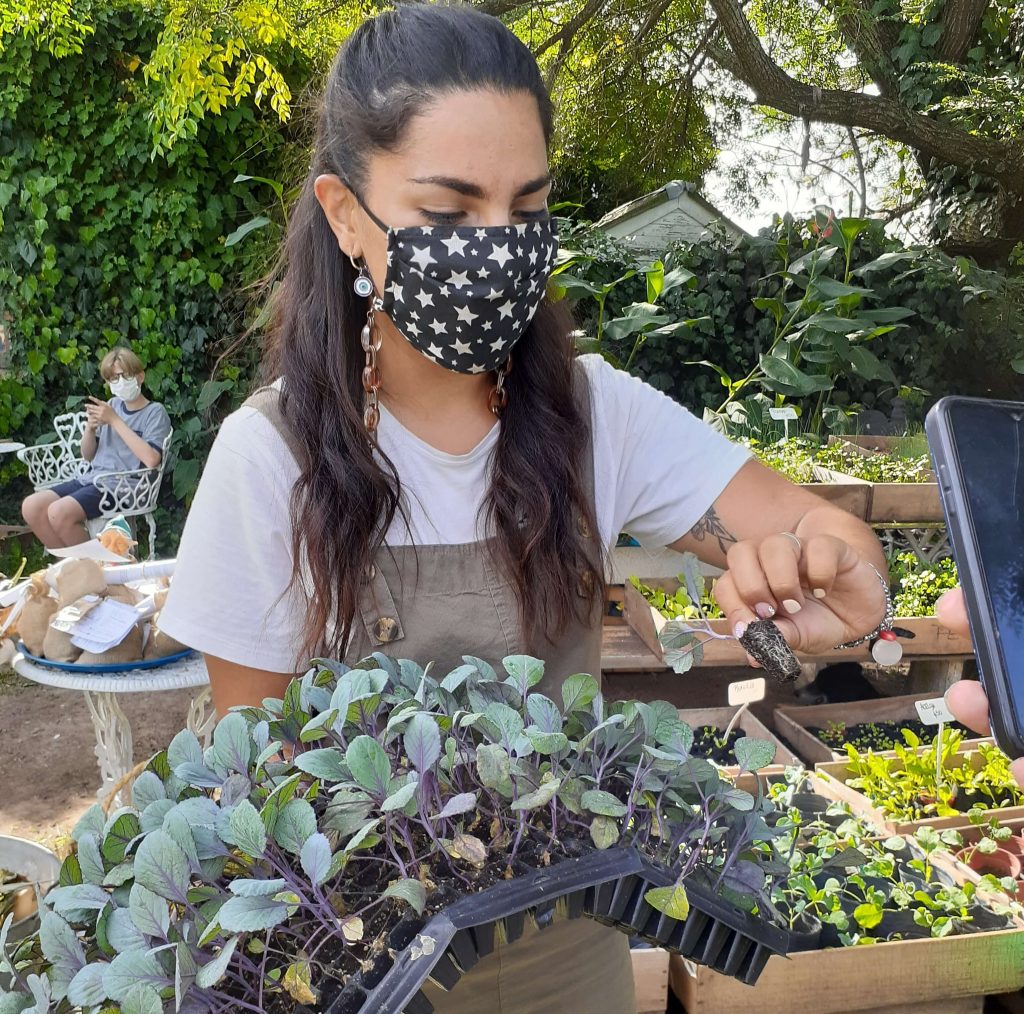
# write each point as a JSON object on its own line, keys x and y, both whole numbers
{"x": 348, "y": 494}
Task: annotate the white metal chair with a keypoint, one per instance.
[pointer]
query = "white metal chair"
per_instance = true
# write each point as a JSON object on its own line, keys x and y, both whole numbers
{"x": 50, "y": 464}
{"x": 131, "y": 494}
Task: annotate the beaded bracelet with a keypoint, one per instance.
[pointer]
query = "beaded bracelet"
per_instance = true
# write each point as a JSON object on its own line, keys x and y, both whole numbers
{"x": 887, "y": 618}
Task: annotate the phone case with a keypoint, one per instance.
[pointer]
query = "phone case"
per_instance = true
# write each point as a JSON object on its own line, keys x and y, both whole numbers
{"x": 998, "y": 683}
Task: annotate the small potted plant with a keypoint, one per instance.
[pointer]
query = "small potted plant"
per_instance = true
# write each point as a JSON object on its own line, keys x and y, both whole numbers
{"x": 335, "y": 847}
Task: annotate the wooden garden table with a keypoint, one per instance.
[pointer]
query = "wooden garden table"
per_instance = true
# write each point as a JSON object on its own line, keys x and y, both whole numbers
{"x": 114, "y": 745}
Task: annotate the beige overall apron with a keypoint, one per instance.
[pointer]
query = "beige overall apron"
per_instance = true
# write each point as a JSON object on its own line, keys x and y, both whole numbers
{"x": 438, "y": 603}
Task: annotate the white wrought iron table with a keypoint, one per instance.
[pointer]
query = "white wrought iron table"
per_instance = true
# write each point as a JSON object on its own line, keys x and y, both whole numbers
{"x": 114, "y": 745}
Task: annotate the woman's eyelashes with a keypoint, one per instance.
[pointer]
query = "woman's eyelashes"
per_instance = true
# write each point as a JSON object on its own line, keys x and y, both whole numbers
{"x": 459, "y": 217}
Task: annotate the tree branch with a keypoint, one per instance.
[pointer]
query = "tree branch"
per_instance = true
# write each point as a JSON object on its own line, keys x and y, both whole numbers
{"x": 873, "y": 41}
{"x": 772, "y": 86}
{"x": 960, "y": 22}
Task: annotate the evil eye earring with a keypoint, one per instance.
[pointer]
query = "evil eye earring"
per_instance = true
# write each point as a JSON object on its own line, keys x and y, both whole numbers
{"x": 363, "y": 285}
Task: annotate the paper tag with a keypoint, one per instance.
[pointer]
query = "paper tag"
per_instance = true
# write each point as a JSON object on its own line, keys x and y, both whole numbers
{"x": 747, "y": 691}
{"x": 934, "y": 711}
{"x": 106, "y": 626}
{"x": 786, "y": 412}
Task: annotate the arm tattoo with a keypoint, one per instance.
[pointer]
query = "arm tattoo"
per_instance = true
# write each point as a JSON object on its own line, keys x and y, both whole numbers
{"x": 710, "y": 526}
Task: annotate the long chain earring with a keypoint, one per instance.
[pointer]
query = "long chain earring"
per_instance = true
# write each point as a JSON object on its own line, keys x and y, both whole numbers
{"x": 499, "y": 395}
{"x": 371, "y": 339}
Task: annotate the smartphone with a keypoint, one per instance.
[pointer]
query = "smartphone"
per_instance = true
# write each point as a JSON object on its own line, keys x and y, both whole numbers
{"x": 978, "y": 450}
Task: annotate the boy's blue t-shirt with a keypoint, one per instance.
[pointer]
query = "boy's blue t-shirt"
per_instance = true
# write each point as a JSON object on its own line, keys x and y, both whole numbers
{"x": 151, "y": 422}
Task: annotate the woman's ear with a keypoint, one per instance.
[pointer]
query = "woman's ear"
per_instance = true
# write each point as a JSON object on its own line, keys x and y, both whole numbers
{"x": 341, "y": 207}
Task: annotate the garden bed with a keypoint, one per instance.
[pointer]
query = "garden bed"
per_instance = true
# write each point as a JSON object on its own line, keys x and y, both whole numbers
{"x": 831, "y": 780}
{"x": 795, "y": 724}
{"x": 747, "y": 724}
{"x": 913, "y": 499}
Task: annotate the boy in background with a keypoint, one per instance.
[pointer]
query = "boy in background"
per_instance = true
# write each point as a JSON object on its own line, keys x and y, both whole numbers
{"x": 124, "y": 434}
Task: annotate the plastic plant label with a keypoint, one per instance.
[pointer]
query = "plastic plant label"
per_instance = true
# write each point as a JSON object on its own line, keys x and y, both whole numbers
{"x": 934, "y": 711}
{"x": 747, "y": 691}
{"x": 785, "y": 412}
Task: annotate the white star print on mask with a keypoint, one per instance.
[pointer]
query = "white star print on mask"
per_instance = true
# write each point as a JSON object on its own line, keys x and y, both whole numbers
{"x": 474, "y": 290}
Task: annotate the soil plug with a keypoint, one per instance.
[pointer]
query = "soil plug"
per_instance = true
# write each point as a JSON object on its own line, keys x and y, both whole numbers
{"x": 764, "y": 642}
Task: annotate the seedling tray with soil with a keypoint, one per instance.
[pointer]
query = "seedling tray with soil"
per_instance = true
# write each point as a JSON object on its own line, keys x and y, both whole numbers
{"x": 608, "y": 886}
{"x": 708, "y": 726}
{"x": 795, "y": 723}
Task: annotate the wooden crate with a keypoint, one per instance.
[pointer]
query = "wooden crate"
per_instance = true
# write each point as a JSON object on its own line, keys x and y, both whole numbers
{"x": 792, "y": 722}
{"x": 751, "y": 725}
{"x": 650, "y": 979}
{"x": 830, "y": 780}
{"x": 941, "y": 976}
{"x": 930, "y": 639}
{"x": 890, "y": 502}
{"x": 850, "y": 497}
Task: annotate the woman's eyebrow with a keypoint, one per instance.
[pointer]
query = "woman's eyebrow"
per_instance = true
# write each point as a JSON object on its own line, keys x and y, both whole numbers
{"x": 468, "y": 189}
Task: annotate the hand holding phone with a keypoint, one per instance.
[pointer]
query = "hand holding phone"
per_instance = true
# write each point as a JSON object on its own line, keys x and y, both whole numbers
{"x": 978, "y": 448}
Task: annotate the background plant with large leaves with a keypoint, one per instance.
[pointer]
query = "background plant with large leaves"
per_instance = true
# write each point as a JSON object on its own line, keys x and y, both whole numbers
{"x": 101, "y": 243}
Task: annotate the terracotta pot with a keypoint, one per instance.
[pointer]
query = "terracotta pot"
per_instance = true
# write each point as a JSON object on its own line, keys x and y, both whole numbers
{"x": 1000, "y": 863}
{"x": 1014, "y": 845}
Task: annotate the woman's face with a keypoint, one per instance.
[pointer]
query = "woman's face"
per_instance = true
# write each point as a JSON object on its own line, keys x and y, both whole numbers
{"x": 474, "y": 158}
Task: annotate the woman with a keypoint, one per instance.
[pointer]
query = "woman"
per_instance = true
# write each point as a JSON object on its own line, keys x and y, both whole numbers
{"x": 449, "y": 476}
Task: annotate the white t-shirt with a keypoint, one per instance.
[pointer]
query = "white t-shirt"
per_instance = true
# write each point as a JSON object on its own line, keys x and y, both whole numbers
{"x": 657, "y": 470}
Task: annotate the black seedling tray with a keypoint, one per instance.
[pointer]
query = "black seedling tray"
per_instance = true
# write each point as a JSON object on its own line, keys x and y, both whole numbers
{"x": 608, "y": 886}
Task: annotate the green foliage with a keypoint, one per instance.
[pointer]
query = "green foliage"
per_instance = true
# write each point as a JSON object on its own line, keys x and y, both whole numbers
{"x": 918, "y": 585}
{"x": 242, "y": 849}
{"x": 937, "y": 325}
{"x": 876, "y": 467}
{"x": 678, "y": 605}
{"x": 904, "y": 786}
{"x": 858, "y": 886}
{"x": 102, "y": 244}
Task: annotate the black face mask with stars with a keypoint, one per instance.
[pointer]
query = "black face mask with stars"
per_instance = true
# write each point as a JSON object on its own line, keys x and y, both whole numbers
{"x": 463, "y": 296}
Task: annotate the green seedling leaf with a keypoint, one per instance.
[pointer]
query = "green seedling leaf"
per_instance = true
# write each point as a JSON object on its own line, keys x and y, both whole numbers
{"x": 598, "y": 801}
{"x": 578, "y": 692}
{"x": 539, "y": 797}
{"x": 604, "y": 832}
{"x": 208, "y": 975}
{"x": 251, "y": 915}
{"x": 316, "y": 858}
{"x": 410, "y": 891}
{"x": 422, "y": 742}
{"x": 326, "y": 763}
{"x": 248, "y": 830}
{"x": 672, "y": 901}
{"x": 295, "y": 824}
{"x": 493, "y": 766}
{"x": 162, "y": 866}
{"x": 462, "y": 803}
{"x": 753, "y": 754}
{"x": 370, "y": 765}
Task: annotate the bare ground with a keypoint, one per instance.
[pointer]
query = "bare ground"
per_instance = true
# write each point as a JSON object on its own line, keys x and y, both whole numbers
{"x": 48, "y": 771}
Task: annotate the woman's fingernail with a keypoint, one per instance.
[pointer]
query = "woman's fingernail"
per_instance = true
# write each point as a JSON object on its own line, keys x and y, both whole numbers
{"x": 819, "y": 593}
{"x": 791, "y": 605}
{"x": 739, "y": 630}
{"x": 765, "y": 610}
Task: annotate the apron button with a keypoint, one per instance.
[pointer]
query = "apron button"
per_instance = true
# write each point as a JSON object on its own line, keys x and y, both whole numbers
{"x": 385, "y": 629}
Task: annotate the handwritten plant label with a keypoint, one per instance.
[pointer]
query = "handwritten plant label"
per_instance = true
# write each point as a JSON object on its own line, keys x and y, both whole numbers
{"x": 785, "y": 412}
{"x": 934, "y": 711}
{"x": 747, "y": 691}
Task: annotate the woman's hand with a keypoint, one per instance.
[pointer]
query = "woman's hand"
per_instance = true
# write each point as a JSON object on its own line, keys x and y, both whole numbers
{"x": 819, "y": 590}
{"x": 99, "y": 413}
{"x": 967, "y": 699}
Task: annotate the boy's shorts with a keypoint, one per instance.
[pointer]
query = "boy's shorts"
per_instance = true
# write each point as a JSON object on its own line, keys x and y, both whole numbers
{"x": 85, "y": 493}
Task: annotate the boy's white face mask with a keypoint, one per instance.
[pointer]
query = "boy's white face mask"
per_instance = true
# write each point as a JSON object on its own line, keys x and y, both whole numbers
{"x": 127, "y": 388}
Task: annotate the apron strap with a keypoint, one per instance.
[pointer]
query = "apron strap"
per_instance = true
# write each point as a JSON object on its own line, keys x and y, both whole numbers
{"x": 267, "y": 401}
{"x": 377, "y": 606}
